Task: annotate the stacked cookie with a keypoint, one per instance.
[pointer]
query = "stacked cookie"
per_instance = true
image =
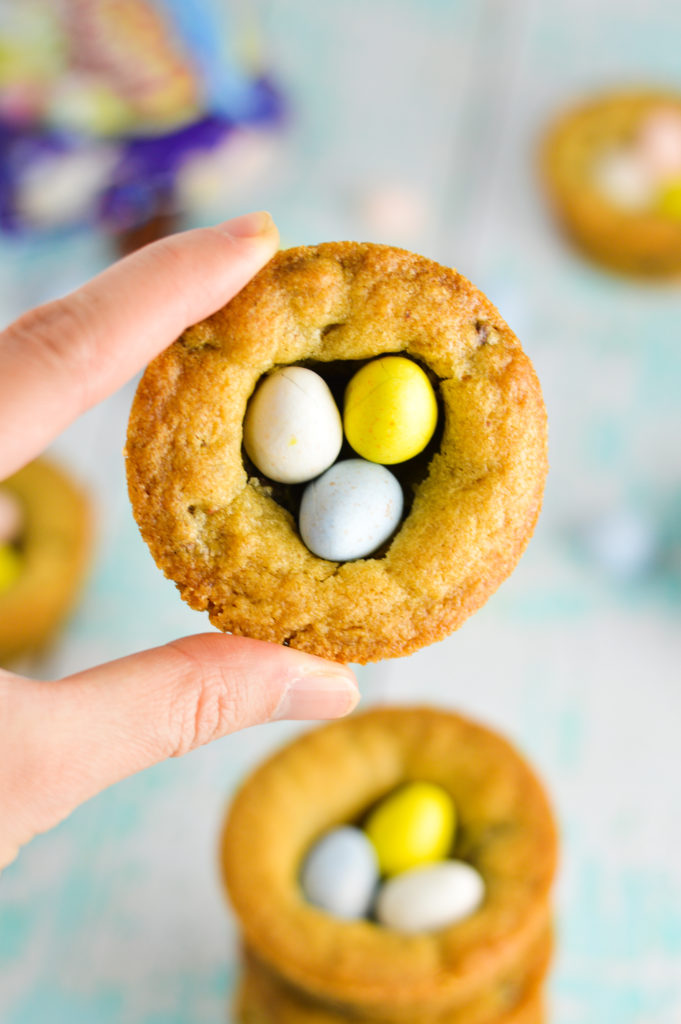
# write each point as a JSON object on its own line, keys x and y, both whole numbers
{"x": 305, "y": 963}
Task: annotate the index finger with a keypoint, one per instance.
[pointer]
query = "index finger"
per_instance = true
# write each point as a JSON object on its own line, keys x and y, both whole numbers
{"x": 60, "y": 359}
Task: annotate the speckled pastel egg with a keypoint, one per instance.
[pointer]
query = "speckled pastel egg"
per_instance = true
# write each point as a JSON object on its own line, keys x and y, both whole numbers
{"x": 340, "y": 873}
{"x": 427, "y": 898}
{"x": 622, "y": 542}
{"x": 390, "y": 410}
{"x": 292, "y": 428}
{"x": 394, "y": 210}
{"x": 350, "y": 511}
{"x": 669, "y": 200}
{"x": 10, "y": 567}
{"x": 11, "y": 516}
{"x": 623, "y": 179}
{"x": 659, "y": 142}
{"x": 413, "y": 826}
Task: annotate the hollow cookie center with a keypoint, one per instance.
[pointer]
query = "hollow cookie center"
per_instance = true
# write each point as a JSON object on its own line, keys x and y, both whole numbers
{"x": 397, "y": 867}
{"x": 331, "y": 470}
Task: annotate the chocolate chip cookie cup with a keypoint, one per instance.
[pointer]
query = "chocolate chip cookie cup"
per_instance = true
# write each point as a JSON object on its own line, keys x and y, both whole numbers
{"x": 49, "y": 549}
{"x": 612, "y": 169}
{"x": 229, "y": 537}
{"x": 478, "y": 969}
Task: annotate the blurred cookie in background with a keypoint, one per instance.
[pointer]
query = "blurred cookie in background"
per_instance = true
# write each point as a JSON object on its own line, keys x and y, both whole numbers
{"x": 393, "y": 866}
{"x": 45, "y": 542}
{"x": 612, "y": 167}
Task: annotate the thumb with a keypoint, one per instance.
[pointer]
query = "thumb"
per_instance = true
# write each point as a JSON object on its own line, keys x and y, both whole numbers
{"x": 62, "y": 742}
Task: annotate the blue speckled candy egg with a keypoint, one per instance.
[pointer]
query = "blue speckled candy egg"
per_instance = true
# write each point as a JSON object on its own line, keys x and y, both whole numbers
{"x": 350, "y": 510}
{"x": 622, "y": 543}
{"x": 340, "y": 873}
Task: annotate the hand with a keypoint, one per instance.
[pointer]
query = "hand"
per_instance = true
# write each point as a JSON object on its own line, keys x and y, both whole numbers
{"x": 63, "y": 741}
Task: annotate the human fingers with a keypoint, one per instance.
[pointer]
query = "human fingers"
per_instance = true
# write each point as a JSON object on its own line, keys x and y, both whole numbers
{"x": 61, "y": 358}
{"x": 64, "y": 741}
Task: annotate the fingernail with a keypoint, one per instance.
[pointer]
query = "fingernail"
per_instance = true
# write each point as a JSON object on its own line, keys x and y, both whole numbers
{"x": 317, "y": 696}
{"x": 249, "y": 225}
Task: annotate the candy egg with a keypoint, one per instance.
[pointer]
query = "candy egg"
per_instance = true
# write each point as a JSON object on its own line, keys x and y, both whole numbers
{"x": 413, "y": 826}
{"x": 10, "y": 567}
{"x": 659, "y": 142}
{"x": 394, "y": 209}
{"x": 669, "y": 200}
{"x": 624, "y": 180}
{"x": 350, "y": 511}
{"x": 390, "y": 410}
{"x": 431, "y": 897}
{"x": 10, "y": 517}
{"x": 622, "y": 542}
{"x": 292, "y": 429}
{"x": 340, "y": 873}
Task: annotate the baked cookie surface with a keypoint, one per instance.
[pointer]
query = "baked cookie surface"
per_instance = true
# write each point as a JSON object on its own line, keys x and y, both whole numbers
{"x": 224, "y": 535}
{"x": 54, "y": 545}
{"x": 331, "y": 776}
{"x": 263, "y": 998}
{"x": 638, "y": 238}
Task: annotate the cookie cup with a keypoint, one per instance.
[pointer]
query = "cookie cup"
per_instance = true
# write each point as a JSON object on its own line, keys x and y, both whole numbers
{"x": 232, "y": 546}
{"x": 332, "y": 776}
{"x": 646, "y": 243}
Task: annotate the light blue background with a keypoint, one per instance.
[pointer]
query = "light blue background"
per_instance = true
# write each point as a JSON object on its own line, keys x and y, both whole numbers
{"x": 117, "y": 915}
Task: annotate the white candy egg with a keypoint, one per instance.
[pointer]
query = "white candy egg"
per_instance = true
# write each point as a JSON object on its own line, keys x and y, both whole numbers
{"x": 340, "y": 873}
{"x": 431, "y": 897}
{"x": 622, "y": 177}
{"x": 350, "y": 511}
{"x": 292, "y": 429}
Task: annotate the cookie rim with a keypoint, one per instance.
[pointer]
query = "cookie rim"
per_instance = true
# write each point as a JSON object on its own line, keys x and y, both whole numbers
{"x": 278, "y": 996}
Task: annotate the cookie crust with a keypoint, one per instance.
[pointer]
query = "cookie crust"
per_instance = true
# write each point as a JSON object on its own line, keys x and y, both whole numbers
{"x": 234, "y": 551}
{"x": 263, "y": 998}
{"x": 331, "y": 776}
{"x": 644, "y": 244}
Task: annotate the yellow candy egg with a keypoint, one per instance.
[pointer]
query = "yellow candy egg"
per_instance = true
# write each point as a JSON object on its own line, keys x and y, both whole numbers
{"x": 414, "y": 826}
{"x": 390, "y": 410}
{"x": 10, "y": 567}
{"x": 669, "y": 200}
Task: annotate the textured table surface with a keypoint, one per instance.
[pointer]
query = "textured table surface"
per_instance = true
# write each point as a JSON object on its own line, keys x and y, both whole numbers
{"x": 117, "y": 915}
